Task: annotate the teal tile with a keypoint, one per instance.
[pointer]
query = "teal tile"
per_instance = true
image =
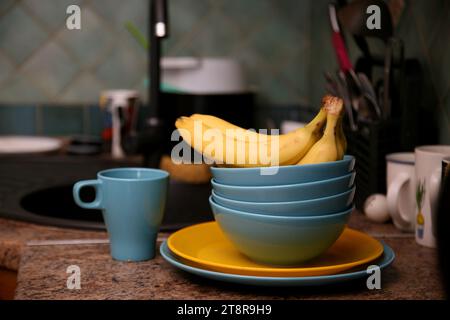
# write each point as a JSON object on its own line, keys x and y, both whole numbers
{"x": 50, "y": 68}
{"x": 296, "y": 13}
{"x": 89, "y": 43}
{"x": 185, "y": 16}
{"x": 6, "y": 68}
{"x": 96, "y": 120}
{"x": 251, "y": 64}
{"x": 53, "y": 13}
{"x": 247, "y": 15}
{"x": 84, "y": 89}
{"x": 62, "y": 120}
{"x": 19, "y": 89}
{"x": 6, "y": 4}
{"x": 20, "y": 35}
{"x": 276, "y": 41}
{"x": 18, "y": 120}
{"x": 296, "y": 73}
{"x": 274, "y": 90}
{"x": 216, "y": 36}
{"x": 117, "y": 12}
{"x": 123, "y": 68}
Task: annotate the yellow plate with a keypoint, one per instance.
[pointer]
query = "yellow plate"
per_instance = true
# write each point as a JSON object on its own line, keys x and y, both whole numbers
{"x": 205, "y": 246}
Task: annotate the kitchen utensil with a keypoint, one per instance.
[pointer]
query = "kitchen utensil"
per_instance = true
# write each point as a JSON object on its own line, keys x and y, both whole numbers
{"x": 369, "y": 94}
{"x": 344, "y": 94}
{"x": 331, "y": 84}
{"x": 287, "y": 192}
{"x": 320, "y": 206}
{"x": 367, "y": 85}
{"x": 205, "y": 246}
{"x": 352, "y": 85}
{"x": 337, "y": 40}
{"x": 353, "y": 18}
{"x": 372, "y": 107}
{"x": 279, "y": 240}
{"x": 285, "y": 174}
{"x": 132, "y": 201}
{"x": 401, "y": 189}
{"x": 428, "y": 181}
{"x": 384, "y": 261}
{"x": 28, "y": 144}
{"x": 364, "y": 106}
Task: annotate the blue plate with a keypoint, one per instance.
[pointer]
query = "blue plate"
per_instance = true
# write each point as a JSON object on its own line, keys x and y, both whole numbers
{"x": 313, "y": 207}
{"x": 287, "y": 192}
{"x": 285, "y": 174}
{"x": 385, "y": 260}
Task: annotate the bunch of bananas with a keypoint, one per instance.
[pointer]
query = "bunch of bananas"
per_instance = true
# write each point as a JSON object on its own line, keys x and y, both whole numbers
{"x": 233, "y": 146}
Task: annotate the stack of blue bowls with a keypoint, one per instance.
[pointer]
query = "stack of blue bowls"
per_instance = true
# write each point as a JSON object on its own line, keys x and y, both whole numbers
{"x": 288, "y": 217}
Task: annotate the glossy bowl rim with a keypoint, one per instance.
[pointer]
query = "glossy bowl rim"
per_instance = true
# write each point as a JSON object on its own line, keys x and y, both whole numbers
{"x": 347, "y": 158}
{"x": 350, "y": 175}
{"x": 282, "y": 218}
{"x": 350, "y": 191}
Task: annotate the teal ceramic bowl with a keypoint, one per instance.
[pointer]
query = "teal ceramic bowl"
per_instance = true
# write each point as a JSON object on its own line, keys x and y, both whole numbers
{"x": 284, "y": 174}
{"x": 314, "y": 207}
{"x": 279, "y": 240}
{"x": 289, "y": 192}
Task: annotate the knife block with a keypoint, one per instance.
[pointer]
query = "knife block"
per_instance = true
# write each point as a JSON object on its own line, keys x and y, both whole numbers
{"x": 370, "y": 145}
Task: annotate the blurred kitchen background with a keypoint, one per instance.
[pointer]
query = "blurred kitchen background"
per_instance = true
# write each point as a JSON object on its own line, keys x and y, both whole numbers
{"x": 51, "y": 77}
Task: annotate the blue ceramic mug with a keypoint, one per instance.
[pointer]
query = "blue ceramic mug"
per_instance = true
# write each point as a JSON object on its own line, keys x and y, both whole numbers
{"x": 132, "y": 201}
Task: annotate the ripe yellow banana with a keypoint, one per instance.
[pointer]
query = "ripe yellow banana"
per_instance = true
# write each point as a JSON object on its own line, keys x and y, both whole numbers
{"x": 238, "y": 147}
{"x": 326, "y": 149}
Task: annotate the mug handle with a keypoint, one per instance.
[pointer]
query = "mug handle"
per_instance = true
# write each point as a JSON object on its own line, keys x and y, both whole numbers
{"x": 97, "y": 203}
{"x": 434, "y": 185}
{"x": 393, "y": 195}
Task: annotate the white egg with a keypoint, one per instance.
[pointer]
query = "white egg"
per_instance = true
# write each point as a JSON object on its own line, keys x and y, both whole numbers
{"x": 376, "y": 208}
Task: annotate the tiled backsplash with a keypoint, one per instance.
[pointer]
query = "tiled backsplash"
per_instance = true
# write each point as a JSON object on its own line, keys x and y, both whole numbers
{"x": 41, "y": 61}
{"x": 284, "y": 46}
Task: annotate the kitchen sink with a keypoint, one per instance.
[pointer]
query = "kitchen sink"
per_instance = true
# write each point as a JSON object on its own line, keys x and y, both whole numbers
{"x": 49, "y": 201}
{"x": 38, "y": 189}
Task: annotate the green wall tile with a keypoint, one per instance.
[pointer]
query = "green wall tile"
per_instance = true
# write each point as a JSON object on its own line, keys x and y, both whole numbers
{"x": 62, "y": 120}
{"x": 50, "y": 69}
{"x": 87, "y": 44}
{"x": 96, "y": 120}
{"x": 17, "y": 120}
{"x": 50, "y": 12}
{"x": 20, "y": 35}
{"x": 18, "y": 89}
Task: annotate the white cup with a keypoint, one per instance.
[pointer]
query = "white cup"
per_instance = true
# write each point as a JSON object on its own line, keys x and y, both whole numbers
{"x": 428, "y": 182}
{"x": 400, "y": 189}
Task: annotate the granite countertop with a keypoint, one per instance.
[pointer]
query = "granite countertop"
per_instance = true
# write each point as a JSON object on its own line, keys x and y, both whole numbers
{"x": 42, "y": 270}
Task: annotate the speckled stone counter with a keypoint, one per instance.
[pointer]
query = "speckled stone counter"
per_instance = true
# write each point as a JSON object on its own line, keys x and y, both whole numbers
{"x": 42, "y": 271}
{"x": 15, "y": 234}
